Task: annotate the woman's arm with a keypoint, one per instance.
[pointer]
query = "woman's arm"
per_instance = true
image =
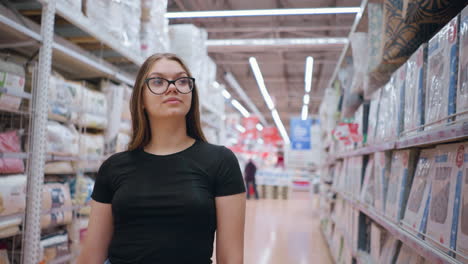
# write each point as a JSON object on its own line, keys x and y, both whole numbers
{"x": 99, "y": 234}
{"x": 230, "y": 214}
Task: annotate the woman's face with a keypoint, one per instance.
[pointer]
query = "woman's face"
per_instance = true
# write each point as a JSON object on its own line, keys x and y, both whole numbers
{"x": 171, "y": 103}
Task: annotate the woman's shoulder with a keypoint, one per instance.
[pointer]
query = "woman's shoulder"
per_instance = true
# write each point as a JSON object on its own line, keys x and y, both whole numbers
{"x": 214, "y": 149}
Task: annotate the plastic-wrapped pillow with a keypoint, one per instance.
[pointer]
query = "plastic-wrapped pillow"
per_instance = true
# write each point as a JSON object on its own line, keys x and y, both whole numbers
{"x": 10, "y": 142}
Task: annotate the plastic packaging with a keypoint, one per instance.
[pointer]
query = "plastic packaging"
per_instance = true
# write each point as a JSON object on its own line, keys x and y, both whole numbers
{"x": 91, "y": 147}
{"x": 415, "y": 91}
{"x": 368, "y": 186}
{"x": 94, "y": 111}
{"x": 462, "y": 234}
{"x": 442, "y": 75}
{"x": 382, "y": 163}
{"x": 10, "y": 142}
{"x": 374, "y": 112}
{"x": 81, "y": 189}
{"x": 115, "y": 95}
{"x": 399, "y": 98}
{"x": 415, "y": 217}
{"x": 399, "y": 182}
{"x": 189, "y": 42}
{"x": 462, "y": 92}
{"x": 56, "y": 196}
{"x": 12, "y": 194}
{"x": 441, "y": 229}
{"x": 154, "y": 33}
{"x": 408, "y": 255}
{"x": 62, "y": 140}
{"x": 126, "y": 117}
{"x": 388, "y": 117}
{"x": 12, "y": 78}
{"x": 359, "y": 42}
{"x": 59, "y": 167}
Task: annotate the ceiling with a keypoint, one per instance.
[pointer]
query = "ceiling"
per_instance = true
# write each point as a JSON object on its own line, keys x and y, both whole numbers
{"x": 282, "y": 68}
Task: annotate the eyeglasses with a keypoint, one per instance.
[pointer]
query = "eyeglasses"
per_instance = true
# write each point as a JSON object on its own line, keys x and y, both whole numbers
{"x": 159, "y": 85}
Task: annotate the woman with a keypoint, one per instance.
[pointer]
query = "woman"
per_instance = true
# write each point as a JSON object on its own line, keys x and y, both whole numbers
{"x": 162, "y": 200}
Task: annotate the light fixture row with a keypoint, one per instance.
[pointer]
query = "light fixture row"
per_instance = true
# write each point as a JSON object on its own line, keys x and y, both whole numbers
{"x": 309, "y": 69}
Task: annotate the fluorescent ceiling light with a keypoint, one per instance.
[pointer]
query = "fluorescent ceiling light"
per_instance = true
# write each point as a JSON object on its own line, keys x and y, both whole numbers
{"x": 236, "y": 86}
{"x": 241, "y": 108}
{"x": 276, "y": 42}
{"x": 240, "y": 128}
{"x": 308, "y": 73}
{"x": 305, "y": 110}
{"x": 306, "y": 99}
{"x": 226, "y": 94}
{"x": 261, "y": 83}
{"x": 264, "y": 12}
{"x": 280, "y": 126}
{"x": 259, "y": 127}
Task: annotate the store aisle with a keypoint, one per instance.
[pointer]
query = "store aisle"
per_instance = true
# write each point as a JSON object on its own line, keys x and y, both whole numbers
{"x": 283, "y": 232}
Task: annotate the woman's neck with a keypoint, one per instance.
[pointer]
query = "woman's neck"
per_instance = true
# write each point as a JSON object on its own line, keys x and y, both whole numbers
{"x": 168, "y": 136}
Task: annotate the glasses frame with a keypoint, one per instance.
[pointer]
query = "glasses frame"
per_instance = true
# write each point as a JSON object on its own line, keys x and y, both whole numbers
{"x": 169, "y": 82}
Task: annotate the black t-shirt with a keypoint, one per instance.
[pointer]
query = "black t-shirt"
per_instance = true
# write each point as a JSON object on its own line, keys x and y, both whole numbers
{"x": 164, "y": 206}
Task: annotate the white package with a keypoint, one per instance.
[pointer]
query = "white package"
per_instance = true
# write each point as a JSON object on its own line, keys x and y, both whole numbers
{"x": 92, "y": 150}
{"x": 154, "y": 32}
{"x": 377, "y": 241}
{"x": 368, "y": 186}
{"x": 415, "y": 91}
{"x": 462, "y": 195}
{"x": 11, "y": 78}
{"x": 389, "y": 251}
{"x": 415, "y": 217}
{"x": 62, "y": 140}
{"x": 388, "y": 112}
{"x": 359, "y": 41}
{"x": 408, "y": 256}
{"x": 12, "y": 194}
{"x": 94, "y": 111}
{"x": 373, "y": 117}
{"x": 399, "y": 100}
{"x": 189, "y": 43}
{"x": 444, "y": 186}
{"x": 462, "y": 92}
{"x": 403, "y": 165}
{"x": 115, "y": 95}
{"x": 382, "y": 163}
{"x": 442, "y": 75}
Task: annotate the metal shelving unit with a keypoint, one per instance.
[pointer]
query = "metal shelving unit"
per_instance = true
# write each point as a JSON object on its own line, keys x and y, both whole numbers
{"x": 423, "y": 248}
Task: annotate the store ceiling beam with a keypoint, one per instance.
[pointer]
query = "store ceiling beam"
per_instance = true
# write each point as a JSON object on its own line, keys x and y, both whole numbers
{"x": 277, "y": 29}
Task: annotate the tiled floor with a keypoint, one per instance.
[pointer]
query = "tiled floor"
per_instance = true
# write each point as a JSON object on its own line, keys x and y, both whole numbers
{"x": 284, "y": 232}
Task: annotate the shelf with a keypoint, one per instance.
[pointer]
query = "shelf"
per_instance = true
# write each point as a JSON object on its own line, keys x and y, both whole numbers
{"x": 13, "y": 155}
{"x": 439, "y": 135}
{"x": 368, "y": 150}
{"x": 15, "y": 93}
{"x": 89, "y": 26}
{"x": 424, "y": 249}
{"x": 53, "y": 157}
{"x": 68, "y": 57}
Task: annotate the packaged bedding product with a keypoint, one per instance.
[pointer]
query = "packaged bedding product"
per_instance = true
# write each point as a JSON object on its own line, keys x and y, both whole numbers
{"x": 462, "y": 188}
{"x": 377, "y": 240}
{"x": 373, "y": 117}
{"x": 399, "y": 182}
{"x": 417, "y": 208}
{"x": 54, "y": 246}
{"x": 462, "y": 92}
{"x": 12, "y": 79}
{"x": 442, "y": 76}
{"x": 126, "y": 117}
{"x": 408, "y": 256}
{"x": 355, "y": 176}
{"x": 62, "y": 140}
{"x": 81, "y": 188}
{"x": 91, "y": 151}
{"x": 359, "y": 42}
{"x": 59, "y": 167}
{"x": 375, "y": 52}
{"x": 189, "y": 42}
{"x": 12, "y": 194}
{"x": 10, "y": 142}
{"x": 94, "y": 112}
{"x": 415, "y": 92}
{"x": 368, "y": 186}
{"x": 382, "y": 163}
{"x": 115, "y": 95}
{"x": 446, "y": 183}
{"x": 154, "y": 32}
{"x": 57, "y": 200}
{"x": 388, "y": 112}
{"x": 390, "y": 250}
{"x": 399, "y": 100}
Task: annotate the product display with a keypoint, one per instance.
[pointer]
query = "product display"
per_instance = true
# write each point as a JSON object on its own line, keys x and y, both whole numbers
{"x": 126, "y": 118}
{"x": 377, "y": 241}
{"x": 388, "y": 117}
{"x": 441, "y": 224}
{"x": 415, "y": 91}
{"x": 55, "y": 246}
{"x": 12, "y": 80}
{"x": 416, "y": 213}
{"x": 390, "y": 250}
{"x": 81, "y": 188}
{"x": 12, "y": 194}
{"x": 56, "y": 201}
{"x": 399, "y": 182}
{"x": 62, "y": 140}
{"x": 462, "y": 91}
{"x": 94, "y": 110}
{"x": 115, "y": 96}
{"x": 154, "y": 33}
{"x": 59, "y": 167}
{"x": 91, "y": 151}
{"x": 442, "y": 75}
{"x": 10, "y": 142}
{"x": 462, "y": 196}
{"x": 64, "y": 98}
{"x": 373, "y": 117}
{"x": 382, "y": 163}
{"x": 369, "y": 185}
{"x": 407, "y": 255}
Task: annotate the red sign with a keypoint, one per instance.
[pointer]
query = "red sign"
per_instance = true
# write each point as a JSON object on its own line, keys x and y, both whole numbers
{"x": 460, "y": 156}
{"x": 250, "y": 125}
{"x": 271, "y": 135}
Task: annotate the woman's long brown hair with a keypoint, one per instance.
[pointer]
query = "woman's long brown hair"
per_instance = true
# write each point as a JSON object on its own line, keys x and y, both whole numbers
{"x": 141, "y": 129}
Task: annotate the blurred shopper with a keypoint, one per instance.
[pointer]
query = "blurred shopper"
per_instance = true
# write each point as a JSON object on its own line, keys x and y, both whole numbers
{"x": 163, "y": 200}
{"x": 249, "y": 174}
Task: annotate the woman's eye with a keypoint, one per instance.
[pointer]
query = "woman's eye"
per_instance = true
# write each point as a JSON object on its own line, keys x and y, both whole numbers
{"x": 157, "y": 82}
{"x": 183, "y": 81}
